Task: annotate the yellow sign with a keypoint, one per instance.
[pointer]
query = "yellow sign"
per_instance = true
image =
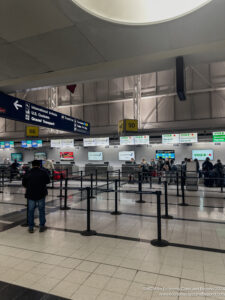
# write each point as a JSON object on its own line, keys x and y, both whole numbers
{"x": 120, "y": 126}
{"x": 32, "y": 131}
{"x": 131, "y": 125}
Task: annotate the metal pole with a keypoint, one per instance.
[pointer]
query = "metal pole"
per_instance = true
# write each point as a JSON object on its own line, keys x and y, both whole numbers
{"x": 81, "y": 183}
{"x": 88, "y": 232}
{"x": 159, "y": 242}
{"x": 116, "y": 212}
{"x": 65, "y": 196}
{"x": 166, "y": 216}
{"x": 150, "y": 180}
{"x": 140, "y": 188}
{"x": 96, "y": 180}
{"x": 107, "y": 179}
{"x": 92, "y": 187}
{"x": 119, "y": 178}
{"x": 177, "y": 174}
{"x": 182, "y": 190}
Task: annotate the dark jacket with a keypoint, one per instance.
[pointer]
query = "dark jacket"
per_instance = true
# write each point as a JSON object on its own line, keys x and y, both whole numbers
{"x": 35, "y": 183}
{"x": 207, "y": 166}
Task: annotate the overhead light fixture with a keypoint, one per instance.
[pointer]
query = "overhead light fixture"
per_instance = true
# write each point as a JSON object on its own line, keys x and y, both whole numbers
{"x": 140, "y": 12}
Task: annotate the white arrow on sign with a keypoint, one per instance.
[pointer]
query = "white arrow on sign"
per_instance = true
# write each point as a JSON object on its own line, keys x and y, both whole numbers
{"x": 17, "y": 105}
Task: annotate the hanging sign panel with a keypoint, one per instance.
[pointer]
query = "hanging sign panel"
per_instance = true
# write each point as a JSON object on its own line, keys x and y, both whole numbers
{"x": 219, "y": 137}
{"x": 188, "y": 138}
{"x": 23, "y": 111}
{"x": 171, "y": 138}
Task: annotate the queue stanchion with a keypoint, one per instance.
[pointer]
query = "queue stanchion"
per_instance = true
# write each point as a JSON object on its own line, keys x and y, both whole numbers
{"x": 61, "y": 190}
{"x": 88, "y": 232}
{"x": 150, "y": 180}
{"x": 222, "y": 184}
{"x": 166, "y": 216}
{"x": 52, "y": 179}
{"x": 26, "y": 222}
{"x": 107, "y": 180}
{"x": 116, "y": 212}
{"x": 119, "y": 178}
{"x": 65, "y": 207}
{"x": 177, "y": 177}
{"x": 182, "y": 191}
{"x": 159, "y": 242}
{"x": 81, "y": 183}
{"x": 96, "y": 180}
{"x": 140, "y": 188}
{"x": 91, "y": 195}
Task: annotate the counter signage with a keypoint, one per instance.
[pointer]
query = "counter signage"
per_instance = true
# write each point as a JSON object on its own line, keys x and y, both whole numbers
{"x": 23, "y": 111}
{"x": 219, "y": 137}
{"x": 102, "y": 141}
{"x": 67, "y": 143}
{"x": 127, "y": 140}
{"x": 95, "y": 156}
{"x": 90, "y": 142}
{"x": 55, "y": 143}
{"x": 170, "y": 138}
{"x": 141, "y": 140}
{"x": 188, "y": 138}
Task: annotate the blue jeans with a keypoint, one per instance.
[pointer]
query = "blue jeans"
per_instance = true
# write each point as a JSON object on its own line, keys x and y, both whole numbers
{"x": 31, "y": 208}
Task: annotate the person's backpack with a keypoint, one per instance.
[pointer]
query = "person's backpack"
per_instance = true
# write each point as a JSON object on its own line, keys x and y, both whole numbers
{"x": 145, "y": 168}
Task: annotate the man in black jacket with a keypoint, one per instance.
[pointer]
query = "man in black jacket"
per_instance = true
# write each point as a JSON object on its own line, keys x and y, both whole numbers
{"x": 35, "y": 183}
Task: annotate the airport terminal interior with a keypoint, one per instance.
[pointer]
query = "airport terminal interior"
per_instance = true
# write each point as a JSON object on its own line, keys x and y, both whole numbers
{"x": 119, "y": 108}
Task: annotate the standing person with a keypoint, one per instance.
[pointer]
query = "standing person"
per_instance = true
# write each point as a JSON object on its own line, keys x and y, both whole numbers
{"x": 131, "y": 173}
{"x": 36, "y": 190}
{"x": 218, "y": 169}
{"x": 14, "y": 169}
{"x": 145, "y": 170}
{"x": 207, "y": 168}
{"x": 159, "y": 167}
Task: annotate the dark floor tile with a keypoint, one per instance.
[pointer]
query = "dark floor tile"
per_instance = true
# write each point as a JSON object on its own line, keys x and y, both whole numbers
{"x": 3, "y": 285}
{"x": 30, "y": 295}
{"x": 52, "y": 297}
{"x": 11, "y": 292}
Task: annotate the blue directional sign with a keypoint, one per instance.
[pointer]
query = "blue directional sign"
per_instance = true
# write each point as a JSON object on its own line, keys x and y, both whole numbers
{"x": 23, "y": 111}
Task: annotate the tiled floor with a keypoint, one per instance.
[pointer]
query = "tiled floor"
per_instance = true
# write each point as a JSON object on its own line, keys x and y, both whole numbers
{"x": 63, "y": 263}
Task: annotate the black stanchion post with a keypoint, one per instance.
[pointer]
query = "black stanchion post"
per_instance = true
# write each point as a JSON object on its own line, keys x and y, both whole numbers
{"x": 182, "y": 190}
{"x": 61, "y": 190}
{"x": 119, "y": 178}
{"x": 107, "y": 179}
{"x": 166, "y": 216}
{"x": 222, "y": 184}
{"x": 91, "y": 195}
{"x": 88, "y": 232}
{"x": 116, "y": 212}
{"x": 177, "y": 175}
{"x": 96, "y": 180}
{"x": 159, "y": 242}
{"x": 140, "y": 188}
{"x": 81, "y": 184}
{"x": 150, "y": 180}
{"x": 65, "y": 207}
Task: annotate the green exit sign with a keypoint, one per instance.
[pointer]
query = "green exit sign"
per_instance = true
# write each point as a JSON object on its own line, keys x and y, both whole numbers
{"x": 219, "y": 137}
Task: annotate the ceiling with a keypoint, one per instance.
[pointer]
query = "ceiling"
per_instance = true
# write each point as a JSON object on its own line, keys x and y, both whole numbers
{"x": 54, "y": 42}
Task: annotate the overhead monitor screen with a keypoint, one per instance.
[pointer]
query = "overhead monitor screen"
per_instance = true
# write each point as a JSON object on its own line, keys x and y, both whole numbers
{"x": 171, "y": 138}
{"x": 66, "y": 156}
{"x": 165, "y": 154}
{"x": 95, "y": 156}
{"x": 202, "y": 154}
{"x": 36, "y": 144}
{"x": 40, "y": 155}
{"x": 126, "y": 155}
{"x": 17, "y": 156}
